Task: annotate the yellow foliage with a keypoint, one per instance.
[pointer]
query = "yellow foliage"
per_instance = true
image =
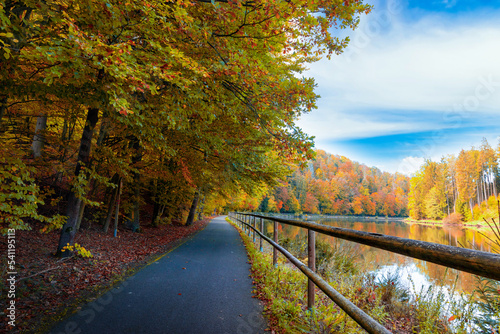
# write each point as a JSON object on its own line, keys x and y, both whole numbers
{"x": 78, "y": 249}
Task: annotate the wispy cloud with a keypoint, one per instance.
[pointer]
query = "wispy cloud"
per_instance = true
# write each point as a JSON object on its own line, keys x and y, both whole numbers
{"x": 407, "y": 74}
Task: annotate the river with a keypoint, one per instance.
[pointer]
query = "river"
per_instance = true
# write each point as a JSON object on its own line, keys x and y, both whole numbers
{"x": 421, "y": 273}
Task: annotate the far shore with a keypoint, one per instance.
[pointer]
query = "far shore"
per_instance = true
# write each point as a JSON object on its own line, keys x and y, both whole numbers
{"x": 471, "y": 224}
{"x": 475, "y": 224}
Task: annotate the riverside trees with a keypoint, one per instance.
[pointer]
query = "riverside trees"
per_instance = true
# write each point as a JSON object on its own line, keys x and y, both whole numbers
{"x": 171, "y": 99}
{"x": 466, "y": 184}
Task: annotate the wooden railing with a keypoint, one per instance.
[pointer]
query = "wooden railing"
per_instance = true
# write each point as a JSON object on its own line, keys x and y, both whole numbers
{"x": 476, "y": 262}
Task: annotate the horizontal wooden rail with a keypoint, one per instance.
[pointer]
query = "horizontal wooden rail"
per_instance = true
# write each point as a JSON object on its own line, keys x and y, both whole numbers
{"x": 357, "y": 314}
{"x": 472, "y": 261}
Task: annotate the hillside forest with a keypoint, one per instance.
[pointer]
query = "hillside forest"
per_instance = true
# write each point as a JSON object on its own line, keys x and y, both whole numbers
{"x": 333, "y": 185}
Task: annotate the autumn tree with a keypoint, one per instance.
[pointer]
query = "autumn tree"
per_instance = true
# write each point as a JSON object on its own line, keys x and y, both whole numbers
{"x": 455, "y": 184}
{"x": 174, "y": 100}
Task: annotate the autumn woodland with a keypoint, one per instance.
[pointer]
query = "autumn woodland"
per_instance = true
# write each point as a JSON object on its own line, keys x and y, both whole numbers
{"x": 165, "y": 104}
{"x": 455, "y": 189}
{"x": 120, "y": 114}
{"x": 119, "y": 117}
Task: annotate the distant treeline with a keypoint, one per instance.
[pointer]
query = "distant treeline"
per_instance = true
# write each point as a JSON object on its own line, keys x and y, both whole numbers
{"x": 333, "y": 184}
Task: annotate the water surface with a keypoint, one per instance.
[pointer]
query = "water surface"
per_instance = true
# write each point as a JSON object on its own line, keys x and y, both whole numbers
{"x": 421, "y": 273}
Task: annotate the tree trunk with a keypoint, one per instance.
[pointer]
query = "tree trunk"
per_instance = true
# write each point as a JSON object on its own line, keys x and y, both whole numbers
{"x": 109, "y": 214}
{"x": 103, "y": 131}
{"x": 495, "y": 186}
{"x": 447, "y": 204}
{"x": 134, "y": 222}
{"x": 202, "y": 207}
{"x": 3, "y": 108}
{"x": 73, "y": 207}
{"x": 80, "y": 215}
{"x": 39, "y": 137}
{"x": 120, "y": 185}
{"x": 192, "y": 211}
{"x": 156, "y": 204}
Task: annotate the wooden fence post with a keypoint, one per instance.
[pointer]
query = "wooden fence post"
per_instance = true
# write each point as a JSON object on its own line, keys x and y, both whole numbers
{"x": 275, "y": 238}
{"x": 253, "y": 224}
{"x": 311, "y": 263}
{"x": 261, "y": 231}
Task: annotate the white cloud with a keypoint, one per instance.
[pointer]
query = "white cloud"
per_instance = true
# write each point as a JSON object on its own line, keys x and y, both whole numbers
{"x": 410, "y": 165}
{"x": 340, "y": 125}
{"x": 435, "y": 64}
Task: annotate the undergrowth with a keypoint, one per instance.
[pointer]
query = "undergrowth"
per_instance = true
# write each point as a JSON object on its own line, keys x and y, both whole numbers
{"x": 488, "y": 290}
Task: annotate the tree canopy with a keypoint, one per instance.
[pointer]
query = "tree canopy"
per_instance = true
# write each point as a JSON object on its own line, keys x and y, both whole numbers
{"x": 172, "y": 99}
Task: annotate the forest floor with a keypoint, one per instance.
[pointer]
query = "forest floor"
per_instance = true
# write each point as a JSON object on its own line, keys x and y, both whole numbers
{"x": 47, "y": 288}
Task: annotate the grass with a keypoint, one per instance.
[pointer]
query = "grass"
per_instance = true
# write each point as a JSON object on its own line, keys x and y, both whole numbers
{"x": 283, "y": 290}
{"x": 488, "y": 290}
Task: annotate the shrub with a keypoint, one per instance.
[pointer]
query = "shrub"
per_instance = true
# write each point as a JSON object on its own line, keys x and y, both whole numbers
{"x": 454, "y": 218}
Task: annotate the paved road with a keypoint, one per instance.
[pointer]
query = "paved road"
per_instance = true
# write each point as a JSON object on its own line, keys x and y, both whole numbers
{"x": 202, "y": 287}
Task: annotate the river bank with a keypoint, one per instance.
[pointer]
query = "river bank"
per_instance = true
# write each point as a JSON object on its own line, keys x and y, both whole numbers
{"x": 475, "y": 224}
{"x": 282, "y": 289}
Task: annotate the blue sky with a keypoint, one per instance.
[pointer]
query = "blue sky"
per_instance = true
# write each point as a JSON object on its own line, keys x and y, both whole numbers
{"x": 419, "y": 80}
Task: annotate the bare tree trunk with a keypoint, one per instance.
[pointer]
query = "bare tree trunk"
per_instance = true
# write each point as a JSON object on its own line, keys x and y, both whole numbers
{"x": 39, "y": 137}
{"x": 202, "y": 206}
{"x": 192, "y": 211}
{"x": 134, "y": 221}
{"x": 495, "y": 186}
{"x": 73, "y": 207}
{"x": 156, "y": 204}
{"x": 80, "y": 215}
{"x": 120, "y": 185}
{"x": 3, "y": 108}
{"x": 485, "y": 190}
{"x": 490, "y": 185}
{"x": 103, "y": 131}
{"x": 447, "y": 204}
{"x": 109, "y": 214}
{"x": 478, "y": 191}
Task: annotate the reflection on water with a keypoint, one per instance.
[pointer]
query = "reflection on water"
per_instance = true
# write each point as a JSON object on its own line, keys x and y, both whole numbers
{"x": 421, "y": 272}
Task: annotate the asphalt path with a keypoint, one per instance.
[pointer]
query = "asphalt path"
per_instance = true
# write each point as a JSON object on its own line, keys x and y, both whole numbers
{"x": 201, "y": 287}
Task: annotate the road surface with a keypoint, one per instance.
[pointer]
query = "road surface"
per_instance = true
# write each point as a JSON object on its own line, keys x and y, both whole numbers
{"x": 201, "y": 287}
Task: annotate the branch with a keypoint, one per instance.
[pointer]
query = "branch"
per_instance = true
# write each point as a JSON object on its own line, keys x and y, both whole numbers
{"x": 14, "y": 103}
{"x": 41, "y": 272}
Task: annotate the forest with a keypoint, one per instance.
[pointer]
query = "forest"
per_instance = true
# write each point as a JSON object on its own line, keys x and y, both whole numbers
{"x": 110, "y": 110}
{"x": 333, "y": 185}
{"x": 462, "y": 187}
